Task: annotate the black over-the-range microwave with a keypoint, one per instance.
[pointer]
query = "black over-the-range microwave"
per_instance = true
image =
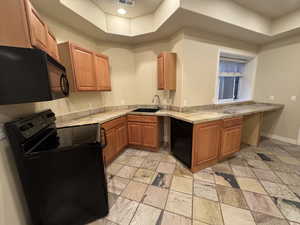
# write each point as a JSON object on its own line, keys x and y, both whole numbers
{"x": 30, "y": 75}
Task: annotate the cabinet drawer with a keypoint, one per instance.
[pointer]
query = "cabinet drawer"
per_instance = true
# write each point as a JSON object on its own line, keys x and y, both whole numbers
{"x": 232, "y": 122}
{"x": 143, "y": 119}
{"x": 111, "y": 124}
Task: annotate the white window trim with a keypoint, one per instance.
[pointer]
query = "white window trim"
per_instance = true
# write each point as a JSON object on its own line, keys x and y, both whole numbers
{"x": 216, "y": 99}
{"x": 223, "y": 101}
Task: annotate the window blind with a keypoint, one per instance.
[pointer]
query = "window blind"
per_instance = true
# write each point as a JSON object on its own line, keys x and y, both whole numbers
{"x": 231, "y": 68}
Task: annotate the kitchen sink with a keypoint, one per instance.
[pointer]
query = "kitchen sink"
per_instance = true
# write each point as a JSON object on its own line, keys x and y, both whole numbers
{"x": 146, "y": 110}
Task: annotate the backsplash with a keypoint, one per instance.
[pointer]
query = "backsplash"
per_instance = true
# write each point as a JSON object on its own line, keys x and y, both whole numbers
{"x": 83, "y": 113}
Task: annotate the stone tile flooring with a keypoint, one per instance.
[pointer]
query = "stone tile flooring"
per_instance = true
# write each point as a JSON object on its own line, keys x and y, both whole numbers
{"x": 258, "y": 186}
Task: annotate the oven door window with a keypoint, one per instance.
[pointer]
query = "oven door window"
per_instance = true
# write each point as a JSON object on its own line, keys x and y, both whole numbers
{"x": 45, "y": 141}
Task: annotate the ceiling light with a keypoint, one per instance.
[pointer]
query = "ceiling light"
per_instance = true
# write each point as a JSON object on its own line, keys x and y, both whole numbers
{"x": 122, "y": 11}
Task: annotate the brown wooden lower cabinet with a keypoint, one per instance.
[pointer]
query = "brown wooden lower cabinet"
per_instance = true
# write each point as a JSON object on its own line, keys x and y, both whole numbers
{"x": 110, "y": 151}
{"x": 139, "y": 131}
{"x": 150, "y": 135}
{"x": 143, "y": 132}
{"x": 206, "y": 143}
{"x": 116, "y": 138}
{"x": 214, "y": 141}
{"x": 135, "y": 133}
{"x": 122, "y": 137}
{"x": 231, "y": 137}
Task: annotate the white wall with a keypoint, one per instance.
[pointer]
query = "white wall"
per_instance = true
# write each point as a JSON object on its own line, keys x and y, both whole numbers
{"x": 200, "y": 64}
{"x": 118, "y": 25}
{"x": 88, "y": 10}
{"x": 142, "y": 24}
{"x": 286, "y": 23}
{"x": 230, "y": 12}
{"x": 278, "y": 75}
{"x": 146, "y": 70}
{"x": 123, "y": 76}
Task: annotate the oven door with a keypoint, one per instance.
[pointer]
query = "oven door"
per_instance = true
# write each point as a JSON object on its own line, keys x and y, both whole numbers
{"x": 59, "y": 84}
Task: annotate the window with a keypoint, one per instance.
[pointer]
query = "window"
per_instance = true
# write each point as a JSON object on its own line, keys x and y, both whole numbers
{"x": 231, "y": 72}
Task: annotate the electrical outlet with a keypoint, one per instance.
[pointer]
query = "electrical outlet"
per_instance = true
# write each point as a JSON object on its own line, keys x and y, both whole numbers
{"x": 271, "y": 98}
{"x": 122, "y": 102}
{"x": 2, "y": 132}
{"x": 294, "y": 98}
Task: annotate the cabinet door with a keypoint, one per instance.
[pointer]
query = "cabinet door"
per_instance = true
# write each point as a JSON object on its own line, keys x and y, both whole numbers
{"x": 160, "y": 72}
{"x": 52, "y": 46}
{"x": 38, "y": 29}
{"x": 84, "y": 69}
{"x": 135, "y": 133}
{"x": 150, "y": 135}
{"x": 231, "y": 141}
{"x": 14, "y": 24}
{"x": 102, "y": 72}
{"x": 110, "y": 150}
{"x": 206, "y": 142}
{"x": 122, "y": 137}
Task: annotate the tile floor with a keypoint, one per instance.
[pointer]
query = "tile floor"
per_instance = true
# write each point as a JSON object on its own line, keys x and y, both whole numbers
{"x": 258, "y": 186}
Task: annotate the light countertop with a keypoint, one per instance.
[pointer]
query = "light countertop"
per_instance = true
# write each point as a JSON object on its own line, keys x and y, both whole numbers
{"x": 194, "y": 117}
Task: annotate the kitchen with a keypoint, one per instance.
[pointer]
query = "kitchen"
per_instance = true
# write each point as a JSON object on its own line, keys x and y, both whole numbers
{"x": 131, "y": 82}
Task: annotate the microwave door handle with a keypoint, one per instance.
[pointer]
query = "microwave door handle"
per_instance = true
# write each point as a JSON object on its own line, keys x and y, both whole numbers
{"x": 64, "y": 84}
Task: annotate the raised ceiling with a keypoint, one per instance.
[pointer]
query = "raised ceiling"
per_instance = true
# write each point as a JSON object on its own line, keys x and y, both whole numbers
{"x": 271, "y": 8}
{"x": 221, "y": 17}
{"x": 140, "y": 8}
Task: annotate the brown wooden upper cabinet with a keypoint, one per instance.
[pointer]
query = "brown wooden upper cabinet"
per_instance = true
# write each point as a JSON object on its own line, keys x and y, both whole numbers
{"x": 83, "y": 62}
{"x": 86, "y": 70}
{"x": 166, "y": 71}
{"x": 38, "y": 29}
{"x": 102, "y": 72}
{"x": 25, "y": 28}
{"x": 52, "y": 45}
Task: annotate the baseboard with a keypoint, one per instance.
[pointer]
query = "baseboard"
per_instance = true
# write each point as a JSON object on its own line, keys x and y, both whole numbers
{"x": 281, "y": 138}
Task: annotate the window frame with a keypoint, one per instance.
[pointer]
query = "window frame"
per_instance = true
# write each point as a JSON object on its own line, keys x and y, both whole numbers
{"x": 247, "y": 57}
{"x": 233, "y": 91}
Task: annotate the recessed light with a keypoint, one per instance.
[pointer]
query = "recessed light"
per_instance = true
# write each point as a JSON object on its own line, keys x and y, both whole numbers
{"x": 122, "y": 11}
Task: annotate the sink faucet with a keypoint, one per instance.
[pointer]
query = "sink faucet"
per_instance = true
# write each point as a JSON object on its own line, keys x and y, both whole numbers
{"x": 158, "y": 100}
